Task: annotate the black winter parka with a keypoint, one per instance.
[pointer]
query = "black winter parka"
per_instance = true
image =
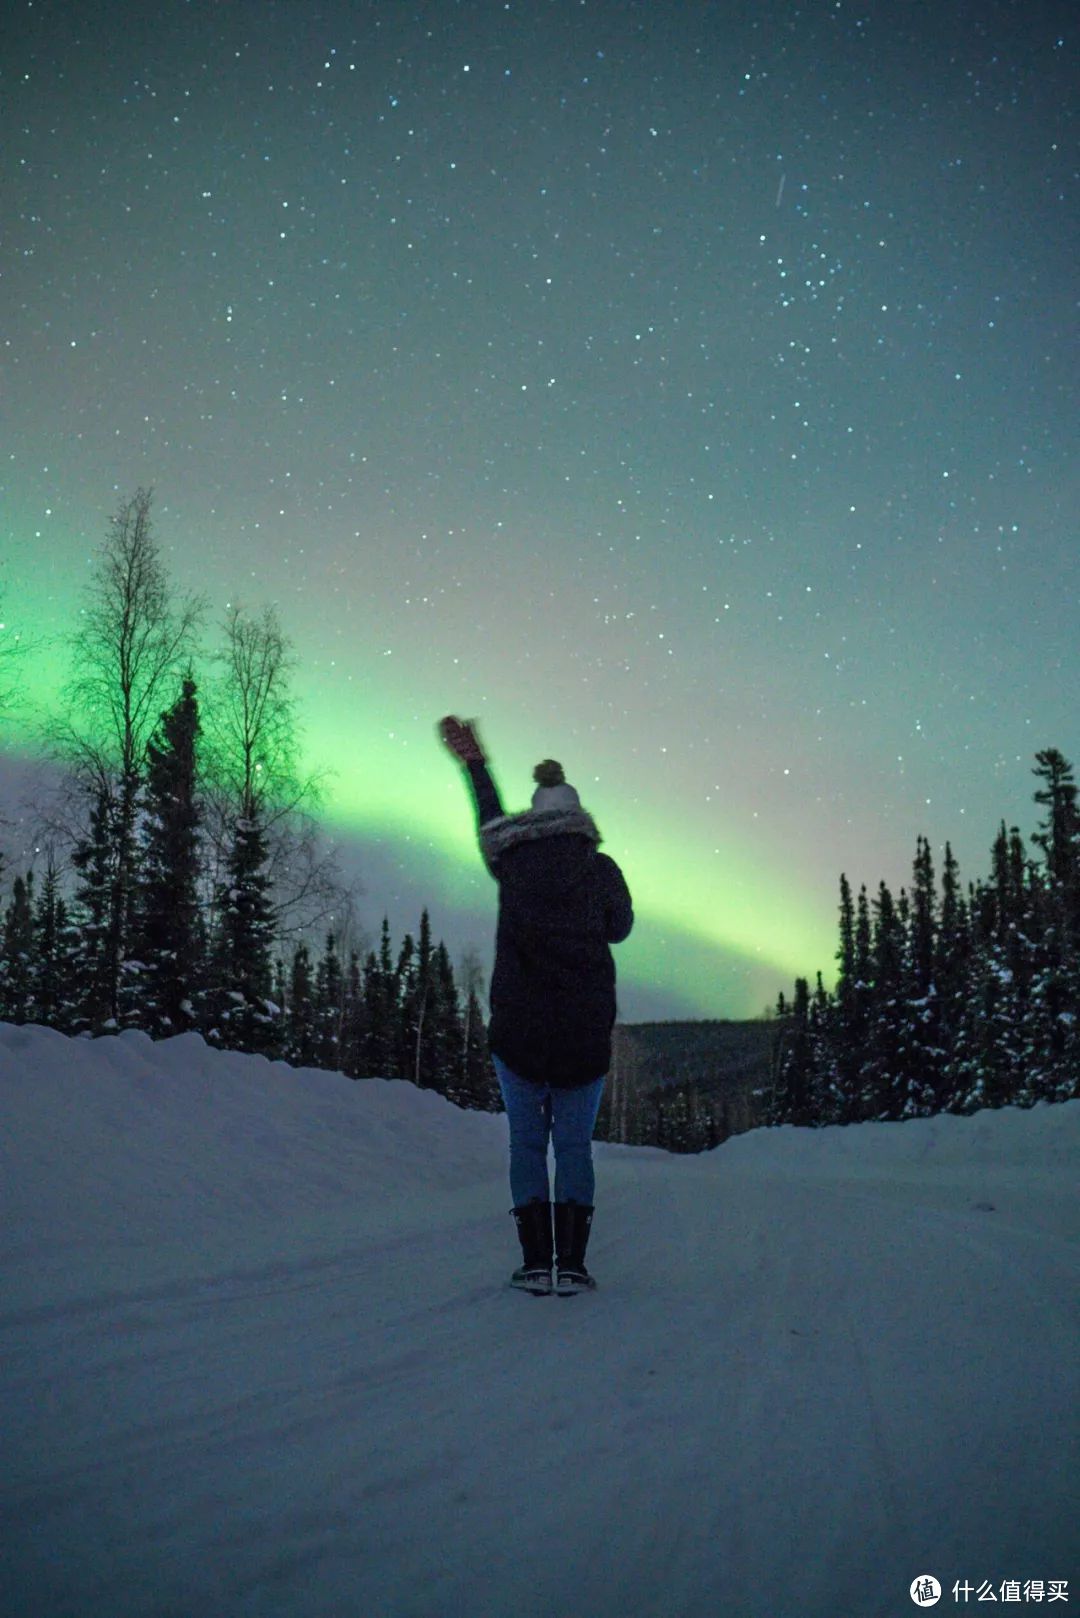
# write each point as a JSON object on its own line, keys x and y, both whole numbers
{"x": 561, "y": 905}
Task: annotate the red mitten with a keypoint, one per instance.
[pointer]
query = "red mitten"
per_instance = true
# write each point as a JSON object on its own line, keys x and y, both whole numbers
{"x": 461, "y": 739}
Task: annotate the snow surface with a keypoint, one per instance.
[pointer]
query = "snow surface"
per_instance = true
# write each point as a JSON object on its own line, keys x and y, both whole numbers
{"x": 260, "y": 1357}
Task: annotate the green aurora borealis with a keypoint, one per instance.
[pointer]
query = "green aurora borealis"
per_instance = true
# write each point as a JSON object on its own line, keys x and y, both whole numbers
{"x": 684, "y": 393}
{"x": 389, "y": 782}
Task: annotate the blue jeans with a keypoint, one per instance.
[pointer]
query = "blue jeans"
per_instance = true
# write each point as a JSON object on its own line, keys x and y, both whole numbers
{"x": 568, "y": 1116}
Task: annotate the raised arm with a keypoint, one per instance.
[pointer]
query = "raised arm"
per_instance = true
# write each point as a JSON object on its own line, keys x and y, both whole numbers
{"x": 460, "y": 738}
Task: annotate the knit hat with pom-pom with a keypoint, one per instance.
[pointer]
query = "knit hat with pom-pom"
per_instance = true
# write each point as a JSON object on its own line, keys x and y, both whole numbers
{"x": 553, "y": 790}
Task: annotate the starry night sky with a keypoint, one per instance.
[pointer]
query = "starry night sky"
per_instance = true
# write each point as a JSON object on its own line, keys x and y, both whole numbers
{"x": 685, "y": 390}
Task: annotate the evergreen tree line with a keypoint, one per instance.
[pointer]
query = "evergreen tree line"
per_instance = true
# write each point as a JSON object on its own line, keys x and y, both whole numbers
{"x": 191, "y": 876}
{"x": 381, "y": 1014}
{"x": 947, "y": 1000}
{"x": 397, "y": 1017}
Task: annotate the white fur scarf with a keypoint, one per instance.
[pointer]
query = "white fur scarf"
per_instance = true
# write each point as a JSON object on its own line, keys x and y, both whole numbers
{"x": 499, "y": 835}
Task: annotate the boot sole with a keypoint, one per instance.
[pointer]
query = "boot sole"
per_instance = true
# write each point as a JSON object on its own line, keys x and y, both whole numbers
{"x": 537, "y": 1289}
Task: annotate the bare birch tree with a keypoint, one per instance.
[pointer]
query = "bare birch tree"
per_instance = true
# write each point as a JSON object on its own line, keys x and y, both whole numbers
{"x": 271, "y": 876}
{"x": 132, "y": 646}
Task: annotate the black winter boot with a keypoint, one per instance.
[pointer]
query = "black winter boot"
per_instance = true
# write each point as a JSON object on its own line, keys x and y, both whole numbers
{"x": 533, "y": 1221}
{"x": 572, "y": 1223}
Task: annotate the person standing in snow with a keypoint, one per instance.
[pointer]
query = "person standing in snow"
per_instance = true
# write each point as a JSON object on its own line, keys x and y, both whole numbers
{"x": 561, "y": 905}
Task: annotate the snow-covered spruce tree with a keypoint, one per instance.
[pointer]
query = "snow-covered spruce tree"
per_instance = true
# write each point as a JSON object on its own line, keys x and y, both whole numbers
{"x": 830, "y": 1100}
{"x": 1044, "y": 1030}
{"x": 678, "y": 1120}
{"x": 882, "y": 1079}
{"x": 849, "y": 1016}
{"x": 446, "y": 1035}
{"x": 681, "y": 1119}
{"x": 850, "y": 1023}
{"x": 56, "y": 943}
{"x": 924, "y": 1057}
{"x": 1026, "y": 945}
{"x": 1067, "y": 1086}
{"x": 377, "y": 1057}
{"x": 912, "y": 1047}
{"x": 795, "y": 1098}
{"x": 1055, "y": 992}
{"x": 246, "y": 1016}
{"x": 971, "y": 1046}
{"x": 952, "y": 974}
{"x": 17, "y": 953}
{"x": 354, "y": 1028}
{"x": 405, "y": 1002}
{"x": 279, "y": 987}
{"x": 923, "y": 927}
{"x": 1020, "y": 949}
{"x": 908, "y": 1087}
{"x": 300, "y": 1036}
{"x": 92, "y": 861}
{"x": 1058, "y": 835}
{"x": 133, "y": 643}
{"x": 989, "y": 1066}
{"x": 849, "y": 1012}
{"x": 826, "y": 1094}
{"x": 428, "y": 1033}
{"x": 684, "y": 1119}
{"x": 418, "y": 1010}
{"x": 329, "y": 1006}
{"x": 705, "y": 1113}
{"x": 769, "y": 1099}
{"x": 167, "y": 938}
{"x": 765, "y": 1094}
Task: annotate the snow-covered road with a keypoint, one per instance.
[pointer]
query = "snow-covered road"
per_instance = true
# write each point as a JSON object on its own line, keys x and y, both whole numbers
{"x": 260, "y": 1358}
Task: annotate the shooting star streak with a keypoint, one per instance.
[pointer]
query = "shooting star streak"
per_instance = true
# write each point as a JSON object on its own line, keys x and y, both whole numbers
{"x": 780, "y": 189}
